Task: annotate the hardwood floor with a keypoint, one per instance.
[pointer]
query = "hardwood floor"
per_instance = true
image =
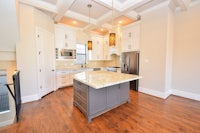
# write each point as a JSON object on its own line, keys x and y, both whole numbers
{"x": 55, "y": 113}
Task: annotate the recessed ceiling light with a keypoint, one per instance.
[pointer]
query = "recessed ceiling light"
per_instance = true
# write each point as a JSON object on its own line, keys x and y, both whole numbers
{"x": 74, "y": 22}
{"x": 120, "y": 22}
{"x": 101, "y": 29}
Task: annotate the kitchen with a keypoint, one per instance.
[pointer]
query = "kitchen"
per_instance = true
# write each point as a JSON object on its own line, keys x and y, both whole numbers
{"x": 157, "y": 56}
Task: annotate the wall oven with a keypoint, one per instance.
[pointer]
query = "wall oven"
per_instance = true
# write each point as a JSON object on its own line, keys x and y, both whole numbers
{"x": 65, "y": 53}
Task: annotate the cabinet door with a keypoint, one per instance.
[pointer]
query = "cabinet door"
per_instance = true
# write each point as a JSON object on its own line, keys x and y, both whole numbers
{"x": 62, "y": 80}
{"x": 131, "y": 38}
{"x": 136, "y": 37}
{"x": 45, "y": 54}
{"x": 94, "y": 48}
{"x": 100, "y": 48}
{"x": 65, "y": 37}
{"x": 97, "y": 48}
{"x": 59, "y": 38}
{"x": 106, "y": 55}
{"x": 97, "y": 100}
{"x": 124, "y": 91}
{"x": 127, "y": 36}
{"x": 72, "y": 41}
{"x": 113, "y": 95}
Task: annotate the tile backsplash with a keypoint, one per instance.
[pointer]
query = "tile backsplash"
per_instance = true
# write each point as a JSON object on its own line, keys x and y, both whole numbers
{"x": 66, "y": 64}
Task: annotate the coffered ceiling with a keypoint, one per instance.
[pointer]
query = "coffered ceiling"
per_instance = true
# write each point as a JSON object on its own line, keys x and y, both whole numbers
{"x": 76, "y": 12}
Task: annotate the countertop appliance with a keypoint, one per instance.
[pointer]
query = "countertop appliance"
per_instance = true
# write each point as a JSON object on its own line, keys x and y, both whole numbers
{"x": 130, "y": 65}
{"x": 65, "y": 53}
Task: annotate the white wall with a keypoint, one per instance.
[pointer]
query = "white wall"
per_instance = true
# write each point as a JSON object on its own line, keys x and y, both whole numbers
{"x": 9, "y": 34}
{"x": 186, "y": 59}
{"x": 26, "y": 50}
{"x": 7, "y": 55}
{"x": 153, "y": 47}
{"x": 26, "y": 53}
{"x": 169, "y": 51}
{"x": 170, "y": 54}
{"x": 8, "y": 25}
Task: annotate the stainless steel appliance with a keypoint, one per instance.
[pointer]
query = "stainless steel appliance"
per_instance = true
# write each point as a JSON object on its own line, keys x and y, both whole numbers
{"x": 65, "y": 53}
{"x": 113, "y": 69}
{"x": 81, "y": 54}
{"x": 130, "y": 65}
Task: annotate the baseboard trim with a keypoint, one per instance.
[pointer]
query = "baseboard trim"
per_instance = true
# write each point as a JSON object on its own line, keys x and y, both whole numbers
{"x": 30, "y": 98}
{"x": 159, "y": 94}
{"x": 185, "y": 94}
{"x": 5, "y": 123}
{"x": 164, "y": 95}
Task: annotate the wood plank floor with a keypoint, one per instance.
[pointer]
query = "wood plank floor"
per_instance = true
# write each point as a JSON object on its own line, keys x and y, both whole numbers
{"x": 55, "y": 113}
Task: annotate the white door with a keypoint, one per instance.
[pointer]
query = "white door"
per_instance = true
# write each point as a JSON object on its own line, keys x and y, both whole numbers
{"x": 45, "y": 49}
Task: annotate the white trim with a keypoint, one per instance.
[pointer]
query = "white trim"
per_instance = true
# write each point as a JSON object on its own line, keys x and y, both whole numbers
{"x": 186, "y": 94}
{"x": 164, "y": 95}
{"x": 194, "y": 3}
{"x": 5, "y": 123}
{"x": 159, "y": 6}
{"x": 3, "y": 112}
{"x": 159, "y": 94}
{"x": 131, "y": 25}
{"x": 30, "y": 98}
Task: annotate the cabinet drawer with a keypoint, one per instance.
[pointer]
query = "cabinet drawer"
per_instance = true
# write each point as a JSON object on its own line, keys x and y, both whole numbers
{"x": 81, "y": 104}
{"x": 80, "y": 92}
{"x": 80, "y": 85}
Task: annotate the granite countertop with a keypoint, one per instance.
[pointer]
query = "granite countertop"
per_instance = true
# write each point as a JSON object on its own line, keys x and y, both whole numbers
{"x": 73, "y": 69}
{"x": 101, "y": 79}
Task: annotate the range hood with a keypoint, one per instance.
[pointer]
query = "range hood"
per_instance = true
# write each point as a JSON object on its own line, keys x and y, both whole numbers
{"x": 114, "y": 51}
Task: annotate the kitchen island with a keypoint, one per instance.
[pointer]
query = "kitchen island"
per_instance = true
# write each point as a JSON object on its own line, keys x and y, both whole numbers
{"x": 96, "y": 92}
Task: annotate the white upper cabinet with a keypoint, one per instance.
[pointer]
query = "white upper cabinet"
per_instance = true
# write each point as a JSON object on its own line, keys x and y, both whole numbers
{"x": 97, "y": 47}
{"x": 106, "y": 54}
{"x": 65, "y": 37}
{"x": 131, "y": 37}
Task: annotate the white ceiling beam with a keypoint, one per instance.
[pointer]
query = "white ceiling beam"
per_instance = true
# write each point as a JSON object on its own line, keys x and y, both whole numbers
{"x": 173, "y": 5}
{"x": 107, "y": 26}
{"x": 129, "y": 12}
{"x": 80, "y": 17}
{"x": 40, "y": 4}
{"x": 62, "y": 6}
{"x": 88, "y": 28}
{"x": 183, "y": 4}
{"x": 132, "y": 14}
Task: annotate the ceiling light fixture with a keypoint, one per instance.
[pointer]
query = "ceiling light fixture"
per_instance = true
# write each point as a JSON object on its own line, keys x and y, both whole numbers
{"x": 90, "y": 41}
{"x": 74, "y": 22}
{"x": 112, "y": 34}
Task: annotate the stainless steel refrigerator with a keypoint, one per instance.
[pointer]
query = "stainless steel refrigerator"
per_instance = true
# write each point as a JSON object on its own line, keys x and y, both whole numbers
{"x": 130, "y": 65}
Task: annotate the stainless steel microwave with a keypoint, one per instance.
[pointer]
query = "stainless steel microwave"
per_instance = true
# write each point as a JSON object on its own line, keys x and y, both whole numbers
{"x": 65, "y": 53}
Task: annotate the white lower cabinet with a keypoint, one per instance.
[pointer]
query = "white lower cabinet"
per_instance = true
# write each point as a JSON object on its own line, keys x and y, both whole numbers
{"x": 65, "y": 77}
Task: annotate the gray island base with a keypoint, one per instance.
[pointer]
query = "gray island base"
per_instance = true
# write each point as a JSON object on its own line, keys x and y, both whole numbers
{"x": 94, "y": 102}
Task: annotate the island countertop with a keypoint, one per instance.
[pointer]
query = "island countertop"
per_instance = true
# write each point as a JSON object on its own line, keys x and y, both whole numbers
{"x": 101, "y": 79}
